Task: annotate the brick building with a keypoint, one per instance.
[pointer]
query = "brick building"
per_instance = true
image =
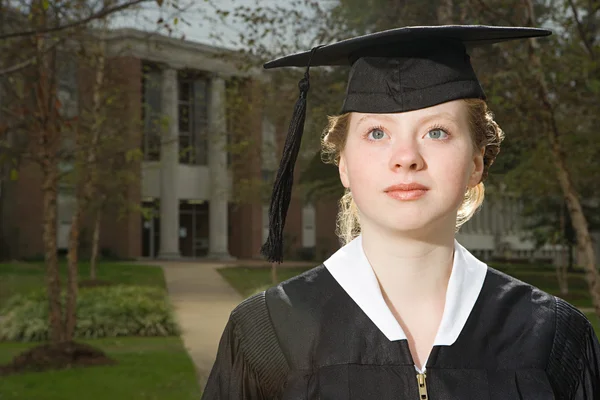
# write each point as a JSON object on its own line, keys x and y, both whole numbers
{"x": 187, "y": 177}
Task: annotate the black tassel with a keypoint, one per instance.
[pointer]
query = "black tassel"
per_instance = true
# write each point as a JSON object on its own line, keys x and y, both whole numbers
{"x": 282, "y": 188}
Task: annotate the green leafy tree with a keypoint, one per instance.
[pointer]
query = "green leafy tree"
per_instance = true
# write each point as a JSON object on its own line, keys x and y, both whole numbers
{"x": 40, "y": 129}
{"x": 544, "y": 92}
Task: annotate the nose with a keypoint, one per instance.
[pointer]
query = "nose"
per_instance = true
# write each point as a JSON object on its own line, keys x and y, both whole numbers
{"x": 406, "y": 155}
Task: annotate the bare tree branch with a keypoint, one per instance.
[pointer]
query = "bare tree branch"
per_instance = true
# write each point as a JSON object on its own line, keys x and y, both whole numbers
{"x": 100, "y": 14}
{"x": 18, "y": 67}
{"x": 24, "y": 64}
{"x": 564, "y": 176}
{"x": 581, "y": 31}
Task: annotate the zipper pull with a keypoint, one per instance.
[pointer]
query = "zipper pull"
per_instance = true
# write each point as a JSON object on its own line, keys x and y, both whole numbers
{"x": 422, "y": 386}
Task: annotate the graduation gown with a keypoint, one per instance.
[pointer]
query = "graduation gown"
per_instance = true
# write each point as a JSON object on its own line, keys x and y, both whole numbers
{"x": 327, "y": 334}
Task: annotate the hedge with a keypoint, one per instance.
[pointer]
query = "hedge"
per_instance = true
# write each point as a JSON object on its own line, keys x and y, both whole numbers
{"x": 101, "y": 312}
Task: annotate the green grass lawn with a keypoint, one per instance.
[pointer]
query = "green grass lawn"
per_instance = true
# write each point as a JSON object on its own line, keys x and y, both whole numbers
{"x": 148, "y": 368}
{"x": 250, "y": 280}
{"x": 24, "y": 277}
{"x": 595, "y": 322}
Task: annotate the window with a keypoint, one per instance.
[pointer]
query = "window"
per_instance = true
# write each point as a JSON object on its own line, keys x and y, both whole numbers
{"x": 193, "y": 228}
{"x": 269, "y": 149}
{"x": 151, "y": 112}
{"x": 65, "y": 183}
{"x": 67, "y": 90}
{"x": 193, "y": 118}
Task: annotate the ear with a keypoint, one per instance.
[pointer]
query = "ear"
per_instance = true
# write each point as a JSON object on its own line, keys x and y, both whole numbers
{"x": 342, "y": 168}
{"x": 477, "y": 171}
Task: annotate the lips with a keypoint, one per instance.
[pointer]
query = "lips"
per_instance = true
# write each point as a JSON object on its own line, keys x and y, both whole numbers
{"x": 406, "y": 191}
{"x": 406, "y": 187}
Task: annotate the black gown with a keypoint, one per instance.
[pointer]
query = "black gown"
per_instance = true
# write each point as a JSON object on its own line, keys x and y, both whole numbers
{"x": 307, "y": 339}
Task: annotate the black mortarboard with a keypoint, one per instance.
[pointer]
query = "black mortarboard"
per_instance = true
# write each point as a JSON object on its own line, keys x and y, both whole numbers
{"x": 391, "y": 71}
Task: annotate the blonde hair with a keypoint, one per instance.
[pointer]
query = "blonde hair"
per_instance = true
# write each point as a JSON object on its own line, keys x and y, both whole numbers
{"x": 485, "y": 132}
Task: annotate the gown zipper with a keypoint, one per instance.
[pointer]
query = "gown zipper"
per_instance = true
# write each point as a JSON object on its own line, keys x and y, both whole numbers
{"x": 422, "y": 386}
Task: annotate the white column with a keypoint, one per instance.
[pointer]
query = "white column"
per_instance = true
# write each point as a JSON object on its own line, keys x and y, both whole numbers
{"x": 169, "y": 163}
{"x": 217, "y": 165}
{"x": 309, "y": 226}
{"x": 490, "y": 216}
{"x": 482, "y": 228}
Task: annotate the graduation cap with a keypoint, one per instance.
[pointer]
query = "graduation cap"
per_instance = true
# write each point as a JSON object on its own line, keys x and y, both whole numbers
{"x": 392, "y": 71}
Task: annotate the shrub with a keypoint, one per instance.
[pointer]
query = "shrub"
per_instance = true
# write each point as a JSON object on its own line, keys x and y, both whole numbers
{"x": 101, "y": 312}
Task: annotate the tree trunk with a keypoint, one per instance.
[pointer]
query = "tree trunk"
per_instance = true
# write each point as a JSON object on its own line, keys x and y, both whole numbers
{"x": 85, "y": 191}
{"x": 45, "y": 127}
{"x": 563, "y": 278}
{"x": 578, "y": 219}
{"x": 561, "y": 266}
{"x": 571, "y": 264}
{"x": 72, "y": 272}
{"x": 57, "y": 334}
{"x": 101, "y": 63}
{"x": 95, "y": 244}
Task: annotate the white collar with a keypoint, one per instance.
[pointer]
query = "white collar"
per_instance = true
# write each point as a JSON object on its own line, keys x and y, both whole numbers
{"x": 351, "y": 269}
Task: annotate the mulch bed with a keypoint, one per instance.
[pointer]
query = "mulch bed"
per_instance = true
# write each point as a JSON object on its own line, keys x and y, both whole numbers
{"x": 61, "y": 356}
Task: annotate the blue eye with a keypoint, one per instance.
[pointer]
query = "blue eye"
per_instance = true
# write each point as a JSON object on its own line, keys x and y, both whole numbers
{"x": 437, "y": 134}
{"x": 376, "y": 134}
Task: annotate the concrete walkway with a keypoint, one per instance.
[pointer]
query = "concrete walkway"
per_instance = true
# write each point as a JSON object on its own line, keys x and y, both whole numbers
{"x": 202, "y": 301}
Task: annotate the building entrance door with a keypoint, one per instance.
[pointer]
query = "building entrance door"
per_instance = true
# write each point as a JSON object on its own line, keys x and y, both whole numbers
{"x": 193, "y": 228}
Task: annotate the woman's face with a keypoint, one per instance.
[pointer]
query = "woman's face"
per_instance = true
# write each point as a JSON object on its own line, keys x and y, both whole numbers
{"x": 409, "y": 171}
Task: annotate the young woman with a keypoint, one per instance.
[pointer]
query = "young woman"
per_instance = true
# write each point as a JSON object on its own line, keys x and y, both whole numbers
{"x": 402, "y": 310}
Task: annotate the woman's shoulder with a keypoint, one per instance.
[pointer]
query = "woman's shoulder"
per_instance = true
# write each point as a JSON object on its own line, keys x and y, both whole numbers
{"x": 537, "y": 329}
{"x": 505, "y": 289}
{"x": 552, "y": 318}
{"x": 304, "y": 289}
{"x": 285, "y": 318}
{"x": 301, "y": 298}
{"x": 296, "y": 295}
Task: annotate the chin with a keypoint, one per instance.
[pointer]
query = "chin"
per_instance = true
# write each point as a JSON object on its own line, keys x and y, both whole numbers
{"x": 403, "y": 224}
{"x": 409, "y": 229}
{"x": 417, "y": 224}
{"x": 409, "y": 218}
